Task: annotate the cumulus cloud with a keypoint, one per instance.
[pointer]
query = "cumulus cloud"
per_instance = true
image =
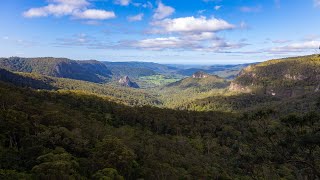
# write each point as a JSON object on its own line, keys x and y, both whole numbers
{"x": 137, "y": 17}
{"x": 95, "y": 14}
{"x": 123, "y": 2}
{"x": 163, "y": 11}
{"x": 200, "y": 42}
{"x": 73, "y": 8}
{"x": 162, "y": 43}
{"x": 192, "y": 24}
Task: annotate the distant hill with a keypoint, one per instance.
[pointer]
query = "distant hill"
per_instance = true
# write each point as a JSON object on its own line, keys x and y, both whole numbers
{"x": 93, "y": 71}
{"x": 145, "y": 67}
{"x": 119, "y": 71}
{"x": 128, "y": 96}
{"x": 200, "y": 81}
{"x": 284, "y": 77}
{"x": 225, "y": 71}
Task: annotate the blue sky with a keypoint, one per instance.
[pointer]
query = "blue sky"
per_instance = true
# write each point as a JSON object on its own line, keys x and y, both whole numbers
{"x": 164, "y": 31}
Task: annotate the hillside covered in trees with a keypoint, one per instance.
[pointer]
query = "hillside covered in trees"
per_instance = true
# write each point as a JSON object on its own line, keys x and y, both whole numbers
{"x": 196, "y": 128}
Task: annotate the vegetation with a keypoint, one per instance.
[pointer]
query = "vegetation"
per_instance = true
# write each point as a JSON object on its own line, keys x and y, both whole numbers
{"x": 285, "y": 77}
{"x": 128, "y": 96}
{"x": 56, "y": 128}
{"x": 92, "y": 71}
{"x": 64, "y": 134}
{"x": 157, "y": 80}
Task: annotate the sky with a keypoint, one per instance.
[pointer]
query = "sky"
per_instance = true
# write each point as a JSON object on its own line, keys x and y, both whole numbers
{"x": 162, "y": 31}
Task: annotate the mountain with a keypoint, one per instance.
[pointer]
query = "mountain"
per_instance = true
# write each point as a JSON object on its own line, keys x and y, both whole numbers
{"x": 78, "y": 135}
{"x": 125, "y": 81}
{"x": 225, "y": 71}
{"x": 200, "y": 81}
{"x": 92, "y": 71}
{"x": 155, "y": 67}
{"x": 58, "y": 128}
{"x": 127, "y": 96}
{"x": 283, "y": 78}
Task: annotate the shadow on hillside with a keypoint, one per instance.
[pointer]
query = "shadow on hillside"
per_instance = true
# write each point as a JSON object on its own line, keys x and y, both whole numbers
{"x": 23, "y": 81}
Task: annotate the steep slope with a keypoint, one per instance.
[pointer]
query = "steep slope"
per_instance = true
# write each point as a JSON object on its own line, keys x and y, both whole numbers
{"x": 199, "y": 85}
{"x": 200, "y": 81}
{"x": 128, "y": 96}
{"x": 126, "y": 82}
{"x": 92, "y": 71}
{"x": 73, "y": 135}
{"x": 283, "y": 78}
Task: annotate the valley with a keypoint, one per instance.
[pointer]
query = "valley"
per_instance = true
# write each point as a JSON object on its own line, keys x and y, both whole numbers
{"x": 66, "y": 119}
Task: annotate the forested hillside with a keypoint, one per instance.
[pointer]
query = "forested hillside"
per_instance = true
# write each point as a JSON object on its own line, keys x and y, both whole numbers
{"x": 128, "y": 96}
{"x": 63, "y": 135}
{"x": 92, "y": 71}
{"x": 60, "y": 128}
{"x": 284, "y": 78}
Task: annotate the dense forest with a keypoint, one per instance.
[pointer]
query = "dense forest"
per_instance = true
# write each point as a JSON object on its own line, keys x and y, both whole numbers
{"x": 195, "y": 128}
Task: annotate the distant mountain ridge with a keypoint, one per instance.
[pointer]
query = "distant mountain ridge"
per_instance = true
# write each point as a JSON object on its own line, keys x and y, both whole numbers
{"x": 225, "y": 71}
{"x": 93, "y": 71}
{"x": 200, "y": 81}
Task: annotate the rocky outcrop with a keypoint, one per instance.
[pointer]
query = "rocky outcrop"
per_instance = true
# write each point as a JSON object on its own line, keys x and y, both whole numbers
{"x": 125, "y": 81}
{"x": 200, "y": 75}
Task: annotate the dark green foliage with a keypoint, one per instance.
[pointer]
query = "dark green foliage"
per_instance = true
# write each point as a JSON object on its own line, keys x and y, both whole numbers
{"x": 63, "y": 135}
{"x": 118, "y": 94}
{"x": 81, "y": 132}
{"x": 119, "y": 71}
{"x": 107, "y": 174}
{"x": 92, "y": 71}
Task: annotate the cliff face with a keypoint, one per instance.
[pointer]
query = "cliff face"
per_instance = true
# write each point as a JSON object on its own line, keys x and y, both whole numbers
{"x": 284, "y": 78}
{"x": 200, "y": 75}
{"x": 125, "y": 81}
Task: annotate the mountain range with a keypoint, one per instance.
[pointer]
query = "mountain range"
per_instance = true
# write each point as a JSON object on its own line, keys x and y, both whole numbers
{"x": 66, "y": 119}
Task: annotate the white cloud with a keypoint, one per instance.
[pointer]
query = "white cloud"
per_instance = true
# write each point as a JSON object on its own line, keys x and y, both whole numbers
{"x": 123, "y": 2}
{"x": 200, "y": 36}
{"x": 222, "y": 45}
{"x": 73, "y": 8}
{"x": 137, "y": 17}
{"x": 316, "y": 3}
{"x": 94, "y": 14}
{"x": 163, "y": 11}
{"x": 192, "y": 24}
{"x": 147, "y": 4}
{"x": 297, "y": 47}
{"x": 162, "y": 43}
{"x": 199, "y": 42}
{"x": 217, "y": 7}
